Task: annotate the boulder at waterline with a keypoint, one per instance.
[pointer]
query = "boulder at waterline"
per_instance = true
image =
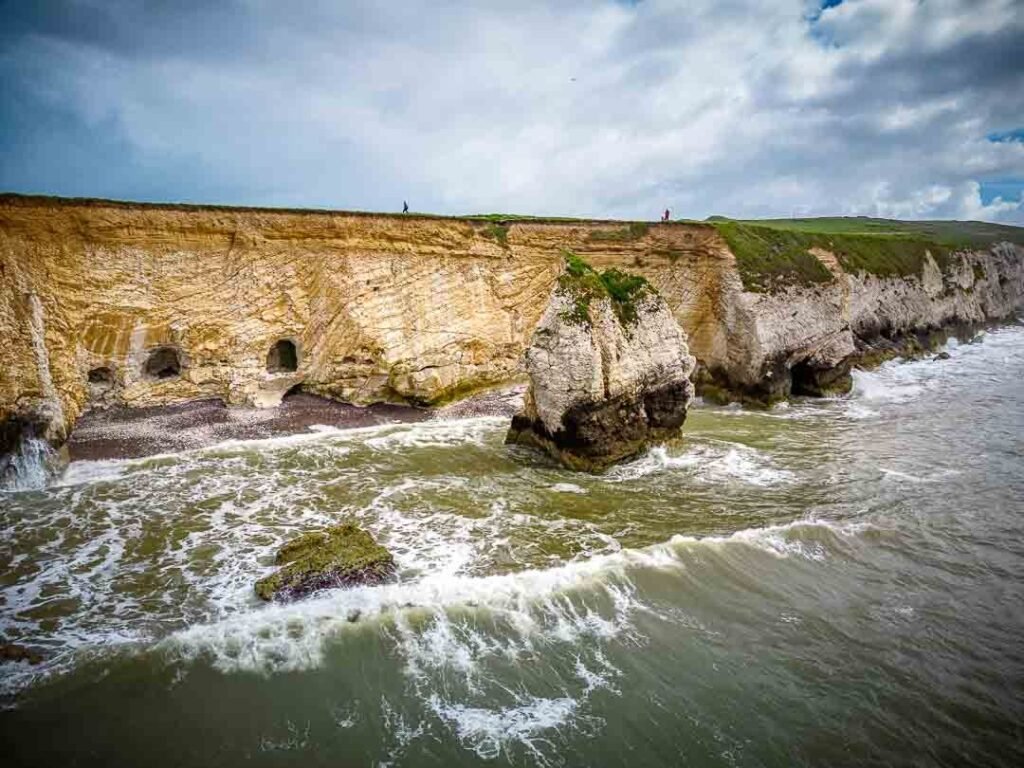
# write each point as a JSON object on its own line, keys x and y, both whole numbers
{"x": 341, "y": 556}
{"x": 609, "y": 371}
{"x": 14, "y": 653}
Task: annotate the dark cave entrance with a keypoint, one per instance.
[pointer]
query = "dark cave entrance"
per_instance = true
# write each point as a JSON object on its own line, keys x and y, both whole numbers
{"x": 163, "y": 363}
{"x": 283, "y": 357}
{"x": 805, "y": 379}
{"x": 102, "y": 377}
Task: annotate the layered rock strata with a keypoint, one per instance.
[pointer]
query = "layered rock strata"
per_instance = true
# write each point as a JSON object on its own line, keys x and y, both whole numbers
{"x": 119, "y": 304}
{"x": 609, "y": 371}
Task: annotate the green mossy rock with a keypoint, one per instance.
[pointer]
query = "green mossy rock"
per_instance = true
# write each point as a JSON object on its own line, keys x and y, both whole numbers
{"x": 342, "y": 556}
{"x": 14, "y": 652}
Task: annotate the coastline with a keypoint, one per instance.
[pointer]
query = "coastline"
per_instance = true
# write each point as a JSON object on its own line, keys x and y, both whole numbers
{"x": 130, "y": 433}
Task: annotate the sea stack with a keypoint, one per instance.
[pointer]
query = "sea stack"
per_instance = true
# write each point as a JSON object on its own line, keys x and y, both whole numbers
{"x": 609, "y": 371}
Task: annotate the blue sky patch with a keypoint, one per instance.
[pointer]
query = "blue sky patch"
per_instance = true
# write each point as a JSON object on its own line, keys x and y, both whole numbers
{"x": 1001, "y": 137}
{"x": 1008, "y": 189}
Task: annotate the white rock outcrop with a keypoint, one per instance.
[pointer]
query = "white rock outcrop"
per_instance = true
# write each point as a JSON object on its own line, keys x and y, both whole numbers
{"x": 608, "y": 377}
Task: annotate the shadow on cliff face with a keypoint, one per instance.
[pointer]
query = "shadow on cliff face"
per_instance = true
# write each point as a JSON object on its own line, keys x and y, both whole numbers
{"x": 818, "y": 381}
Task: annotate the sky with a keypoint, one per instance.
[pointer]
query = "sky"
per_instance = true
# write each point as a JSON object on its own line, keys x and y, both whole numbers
{"x": 604, "y": 108}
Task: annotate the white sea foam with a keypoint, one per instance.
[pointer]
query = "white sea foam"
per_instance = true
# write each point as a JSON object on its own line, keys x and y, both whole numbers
{"x": 535, "y": 603}
{"x": 438, "y": 433}
{"x": 457, "y": 627}
{"x": 83, "y": 472}
{"x": 380, "y": 436}
{"x": 490, "y": 731}
{"x": 31, "y": 468}
{"x": 567, "y": 488}
{"x": 715, "y": 462}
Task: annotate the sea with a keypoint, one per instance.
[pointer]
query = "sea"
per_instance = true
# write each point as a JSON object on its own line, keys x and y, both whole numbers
{"x": 829, "y": 582}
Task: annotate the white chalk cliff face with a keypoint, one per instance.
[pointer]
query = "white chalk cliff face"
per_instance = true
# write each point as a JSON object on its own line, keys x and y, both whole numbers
{"x": 804, "y": 339}
{"x": 605, "y": 383}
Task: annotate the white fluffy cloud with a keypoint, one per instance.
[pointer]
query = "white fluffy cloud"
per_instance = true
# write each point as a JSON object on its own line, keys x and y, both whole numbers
{"x": 759, "y": 108}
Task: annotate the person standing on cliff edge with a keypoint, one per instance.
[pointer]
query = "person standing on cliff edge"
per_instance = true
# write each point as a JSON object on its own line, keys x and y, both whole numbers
{"x": 405, "y": 206}
{"x": 665, "y": 217}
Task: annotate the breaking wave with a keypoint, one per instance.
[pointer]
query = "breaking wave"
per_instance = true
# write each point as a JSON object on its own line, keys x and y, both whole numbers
{"x": 453, "y": 634}
{"x": 31, "y": 468}
{"x": 537, "y": 604}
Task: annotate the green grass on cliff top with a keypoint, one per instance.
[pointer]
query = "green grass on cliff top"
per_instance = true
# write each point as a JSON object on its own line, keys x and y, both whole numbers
{"x": 774, "y": 253}
{"x": 770, "y": 253}
{"x": 951, "y": 233}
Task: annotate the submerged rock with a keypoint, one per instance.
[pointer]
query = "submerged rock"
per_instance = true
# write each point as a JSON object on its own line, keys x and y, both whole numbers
{"x": 609, "y": 371}
{"x": 15, "y": 652}
{"x": 341, "y": 556}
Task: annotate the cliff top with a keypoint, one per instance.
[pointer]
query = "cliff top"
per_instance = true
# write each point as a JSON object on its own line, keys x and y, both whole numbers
{"x": 963, "y": 233}
{"x": 771, "y": 253}
{"x": 954, "y": 233}
{"x": 15, "y": 199}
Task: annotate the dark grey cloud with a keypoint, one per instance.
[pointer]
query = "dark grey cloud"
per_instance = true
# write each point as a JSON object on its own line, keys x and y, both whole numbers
{"x": 746, "y": 108}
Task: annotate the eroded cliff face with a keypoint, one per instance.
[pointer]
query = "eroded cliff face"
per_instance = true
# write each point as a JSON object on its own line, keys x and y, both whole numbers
{"x": 803, "y": 340}
{"x": 122, "y": 304}
{"x": 609, "y": 371}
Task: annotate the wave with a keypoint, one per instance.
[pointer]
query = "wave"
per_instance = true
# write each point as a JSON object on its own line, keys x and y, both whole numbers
{"x": 380, "y": 436}
{"x": 455, "y": 635}
{"x": 291, "y": 636}
{"x": 718, "y": 462}
{"x": 885, "y": 384}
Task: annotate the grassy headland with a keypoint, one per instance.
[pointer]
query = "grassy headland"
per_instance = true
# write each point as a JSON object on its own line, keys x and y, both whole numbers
{"x": 774, "y": 253}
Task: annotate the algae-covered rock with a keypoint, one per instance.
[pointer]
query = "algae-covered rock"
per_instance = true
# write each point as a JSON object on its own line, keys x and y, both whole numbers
{"x": 15, "y": 652}
{"x": 341, "y": 556}
{"x": 609, "y": 371}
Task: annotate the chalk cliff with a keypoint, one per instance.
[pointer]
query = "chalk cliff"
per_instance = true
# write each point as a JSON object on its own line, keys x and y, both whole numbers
{"x": 105, "y": 303}
{"x": 609, "y": 371}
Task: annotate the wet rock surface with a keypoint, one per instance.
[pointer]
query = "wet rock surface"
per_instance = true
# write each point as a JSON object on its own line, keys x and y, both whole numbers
{"x": 12, "y": 652}
{"x": 342, "y": 556}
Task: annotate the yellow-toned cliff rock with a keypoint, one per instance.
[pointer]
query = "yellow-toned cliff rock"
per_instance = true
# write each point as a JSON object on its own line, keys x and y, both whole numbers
{"x": 114, "y": 303}
{"x": 105, "y": 303}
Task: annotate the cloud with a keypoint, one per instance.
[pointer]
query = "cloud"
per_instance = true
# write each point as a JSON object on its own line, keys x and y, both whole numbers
{"x": 878, "y": 107}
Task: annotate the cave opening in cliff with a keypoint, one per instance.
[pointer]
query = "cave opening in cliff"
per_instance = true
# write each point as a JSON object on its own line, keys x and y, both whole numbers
{"x": 101, "y": 376}
{"x": 163, "y": 363}
{"x": 804, "y": 379}
{"x": 282, "y": 357}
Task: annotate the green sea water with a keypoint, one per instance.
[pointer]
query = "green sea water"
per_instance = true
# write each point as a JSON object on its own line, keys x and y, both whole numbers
{"x": 832, "y": 582}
